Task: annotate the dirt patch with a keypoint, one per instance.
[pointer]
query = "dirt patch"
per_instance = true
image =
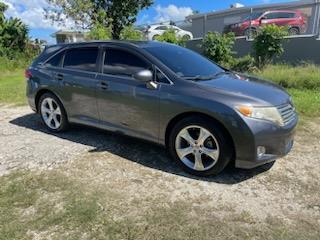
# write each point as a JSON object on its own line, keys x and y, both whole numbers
{"x": 140, "y": 176}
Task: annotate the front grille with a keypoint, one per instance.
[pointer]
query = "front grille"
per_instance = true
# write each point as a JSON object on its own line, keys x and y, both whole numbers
{"x": 287, "y": 113}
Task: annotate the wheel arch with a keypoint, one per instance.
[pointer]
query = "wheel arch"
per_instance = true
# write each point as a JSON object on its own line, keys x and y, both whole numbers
{"x": 181, "y": 116}
{"x": 294, "y": 27}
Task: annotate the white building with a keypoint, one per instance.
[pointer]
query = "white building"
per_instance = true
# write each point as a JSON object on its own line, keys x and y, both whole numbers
{"x": 68, "y": 36}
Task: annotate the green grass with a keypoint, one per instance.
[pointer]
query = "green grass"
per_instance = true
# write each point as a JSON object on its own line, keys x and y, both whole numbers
{"x": 58, "y": 205}
{"x": 301, "y": 77}
{"x": 12, "y": 87}
{"x": 306, "y": 101}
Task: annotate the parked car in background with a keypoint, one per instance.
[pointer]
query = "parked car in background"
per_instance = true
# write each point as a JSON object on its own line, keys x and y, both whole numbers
{"x": 294, "y": 20}
{"x": 156, "y": 30}
{"x": 205, "y": 115}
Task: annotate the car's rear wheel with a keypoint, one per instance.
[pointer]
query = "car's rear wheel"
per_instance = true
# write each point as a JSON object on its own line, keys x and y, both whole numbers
{"x": 52, "y": 113}
{"x": 250, "y": 32}
{"x": 186, "y": 37}
{"x": 200, "y": 146}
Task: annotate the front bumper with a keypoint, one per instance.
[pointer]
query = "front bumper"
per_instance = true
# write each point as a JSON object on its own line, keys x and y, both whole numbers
{"x": 277, "y": 141}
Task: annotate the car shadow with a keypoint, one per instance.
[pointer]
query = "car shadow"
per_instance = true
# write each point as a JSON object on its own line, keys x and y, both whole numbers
{"x": 144, "y": 153}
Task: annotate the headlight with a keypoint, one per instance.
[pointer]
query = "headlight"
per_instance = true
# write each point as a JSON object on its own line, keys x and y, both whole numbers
{"x": 265, "y": 113}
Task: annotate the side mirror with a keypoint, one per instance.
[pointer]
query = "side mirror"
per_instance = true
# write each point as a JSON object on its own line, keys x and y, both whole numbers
{"x": 144, "y": 75}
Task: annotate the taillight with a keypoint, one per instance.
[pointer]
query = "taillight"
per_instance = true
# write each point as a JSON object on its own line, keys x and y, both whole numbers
{"x": 27, "y": 74}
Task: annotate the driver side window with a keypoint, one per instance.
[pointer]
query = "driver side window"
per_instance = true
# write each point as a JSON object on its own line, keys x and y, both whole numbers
{"x": 121, "y": 62}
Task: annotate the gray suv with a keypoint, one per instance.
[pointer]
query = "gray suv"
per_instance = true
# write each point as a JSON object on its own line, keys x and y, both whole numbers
{"x": 205, "y": 115}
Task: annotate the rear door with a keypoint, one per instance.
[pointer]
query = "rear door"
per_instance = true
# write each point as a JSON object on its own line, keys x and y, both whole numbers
{"x": 126, "y": 104}
{"x": 78, "y": 82}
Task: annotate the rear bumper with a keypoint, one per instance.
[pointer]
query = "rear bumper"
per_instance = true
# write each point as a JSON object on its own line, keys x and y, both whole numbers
{"x": 30, "y": 93}
{"x": 277, "y": 141}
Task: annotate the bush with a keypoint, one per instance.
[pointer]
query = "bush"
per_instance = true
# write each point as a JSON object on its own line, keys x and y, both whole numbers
{"x": 268, "y": 44}
{"x": 218, "y": 47}
{"x": 171, "y": 37}
{"x": 129, "y": 33}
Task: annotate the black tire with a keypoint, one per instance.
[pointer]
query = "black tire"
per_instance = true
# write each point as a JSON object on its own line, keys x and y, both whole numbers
{"x": 154, "y": 38}
{"x": 64, "y": 123}
{"x": 225, "y": 144}
{"x": 293, "y": 31}
{"x": 186, "y": 37}
{"x": 250, "y": 32}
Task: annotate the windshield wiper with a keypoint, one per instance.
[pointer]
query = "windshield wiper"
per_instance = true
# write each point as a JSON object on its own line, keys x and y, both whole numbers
{"x": 208, "y": 77}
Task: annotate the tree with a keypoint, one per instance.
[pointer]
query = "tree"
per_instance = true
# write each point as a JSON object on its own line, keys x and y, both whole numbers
{"x": 3, "y": 8}
{"x": 99, "y": 32}
{"x": 13, "y": 33}
{"x": 129, "y": 33}
{"x": 268, "y": 44}
{"x": 116, "y": 14}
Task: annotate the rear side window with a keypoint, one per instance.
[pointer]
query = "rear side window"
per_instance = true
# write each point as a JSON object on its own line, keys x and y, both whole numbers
{"x": 56, "y": 60}
{"x": 121, "y": 62}
{"x": 272, "y": 16}
{"x": 84, "y": 59}
{"x": 287, "y": 15}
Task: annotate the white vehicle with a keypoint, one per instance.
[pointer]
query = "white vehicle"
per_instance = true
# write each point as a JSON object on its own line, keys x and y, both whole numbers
{"x": 157, "y": 30}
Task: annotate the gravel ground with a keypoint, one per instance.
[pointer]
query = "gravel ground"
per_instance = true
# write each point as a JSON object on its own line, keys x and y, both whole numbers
{"x": 289, "y": 190}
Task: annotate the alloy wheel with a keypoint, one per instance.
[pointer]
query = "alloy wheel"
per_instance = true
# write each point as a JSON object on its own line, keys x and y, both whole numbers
{"x": 51, "y": 113}
{"x": 197, "y": 148}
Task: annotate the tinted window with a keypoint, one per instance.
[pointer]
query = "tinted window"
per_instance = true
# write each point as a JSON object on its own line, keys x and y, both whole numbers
{"x": 161, "y": 28}
{"x": 123, "y": 62}
{"x": 272, "y": 16}
{"x": 253, "y": 16}
{"x": 56, "y": 60}
{"x": 286, "y": 15}
{"x": 82, "y": 59}
{"x": 277, "y": 15}
{"x": 184, "y": 62}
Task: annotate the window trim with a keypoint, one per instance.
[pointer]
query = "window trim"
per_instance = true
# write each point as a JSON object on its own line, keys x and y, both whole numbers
{"x": 168, "y": 79}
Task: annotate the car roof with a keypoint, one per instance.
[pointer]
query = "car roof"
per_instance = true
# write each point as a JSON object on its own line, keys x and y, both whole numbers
{"x": 284, "y": 11}
{"x": 138, "y": 44}
{"x": 50, "y": 50}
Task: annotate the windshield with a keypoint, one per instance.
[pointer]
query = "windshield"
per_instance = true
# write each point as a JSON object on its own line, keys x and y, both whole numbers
{"x": 253, "y": 16}
{"x": 184, "y": 62}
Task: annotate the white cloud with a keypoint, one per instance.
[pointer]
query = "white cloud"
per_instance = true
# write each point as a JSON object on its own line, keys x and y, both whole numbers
{"x": 31, "y": 12}
{"x": 171, "y": 12}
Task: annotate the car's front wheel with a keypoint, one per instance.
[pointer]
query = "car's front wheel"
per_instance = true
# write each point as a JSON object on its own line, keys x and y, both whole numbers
{"x": 200, "y": 146}
{"x": 52, "y": 113}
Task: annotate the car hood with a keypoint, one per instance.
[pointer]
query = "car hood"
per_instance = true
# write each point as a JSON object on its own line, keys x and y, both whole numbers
{"x": 248, "y": 86}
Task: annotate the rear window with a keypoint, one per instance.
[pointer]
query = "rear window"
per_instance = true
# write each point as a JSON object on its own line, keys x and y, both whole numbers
{"x": 84, "y": 59}
{"x": 56, "y": 60}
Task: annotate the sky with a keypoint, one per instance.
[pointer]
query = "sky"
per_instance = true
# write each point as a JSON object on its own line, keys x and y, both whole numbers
{"x": 31, "y": 12}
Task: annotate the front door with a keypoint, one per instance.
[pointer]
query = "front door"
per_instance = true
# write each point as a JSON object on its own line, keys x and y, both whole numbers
{"x": 126, "y": 104}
